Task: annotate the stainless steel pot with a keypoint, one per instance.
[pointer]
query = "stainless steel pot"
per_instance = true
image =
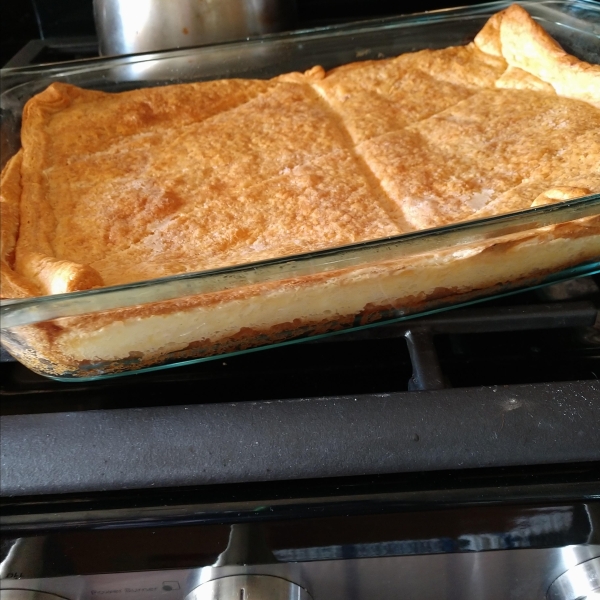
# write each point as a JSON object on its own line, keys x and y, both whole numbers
{"x": 130, "y": 26}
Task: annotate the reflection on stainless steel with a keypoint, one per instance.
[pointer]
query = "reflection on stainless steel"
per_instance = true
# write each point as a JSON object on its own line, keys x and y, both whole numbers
{"x": 23, "y": 557}
{"x": 249, "y": 587}
{"x": 578, "y": 583}
{"x": 247, "y": 546}
{"x": 126, "y": 27}
{"x": 489, "y": 575}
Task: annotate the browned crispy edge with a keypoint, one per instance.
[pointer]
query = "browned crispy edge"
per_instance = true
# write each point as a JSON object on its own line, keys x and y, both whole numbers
{"x": 36, "y": 209}
{"x": 504, "y": 34}
{"x": 13, "y": 284}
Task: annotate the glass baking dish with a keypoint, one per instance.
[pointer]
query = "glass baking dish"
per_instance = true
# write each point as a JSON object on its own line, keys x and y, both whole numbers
{"x": 164, "y": 322}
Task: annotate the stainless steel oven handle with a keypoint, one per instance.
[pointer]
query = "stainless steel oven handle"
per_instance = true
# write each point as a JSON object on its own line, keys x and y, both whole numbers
{"x": 248, "y": 587}
{"x": 581, "y": 582}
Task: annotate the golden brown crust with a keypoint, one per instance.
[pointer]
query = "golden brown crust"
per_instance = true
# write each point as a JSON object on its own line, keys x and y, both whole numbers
{"x": 280, "y": 184}
{"x": 378, "y": 97}
{"x": 382, "y": 147}
{"x": 71, "y": 139}
{"x": 462, "y": 162}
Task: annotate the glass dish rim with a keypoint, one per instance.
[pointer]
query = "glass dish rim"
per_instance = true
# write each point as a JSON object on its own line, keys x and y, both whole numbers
{"x": 19, "y": 312}
{"x": 585, "y": 270}
{"x": 441, "y": 14}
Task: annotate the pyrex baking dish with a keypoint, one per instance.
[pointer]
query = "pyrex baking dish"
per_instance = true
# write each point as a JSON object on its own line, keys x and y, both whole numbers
{"x": 202, "y": 315}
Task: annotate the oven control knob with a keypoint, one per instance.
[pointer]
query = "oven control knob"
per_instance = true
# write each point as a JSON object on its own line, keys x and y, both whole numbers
{"x": 27, "y": 595}
{"x": 581, "y": 582}
{"x": 249, "y": 587}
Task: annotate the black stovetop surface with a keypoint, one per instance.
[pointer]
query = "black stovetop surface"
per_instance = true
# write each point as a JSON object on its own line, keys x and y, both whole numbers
{"x": 511, "y": 383}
